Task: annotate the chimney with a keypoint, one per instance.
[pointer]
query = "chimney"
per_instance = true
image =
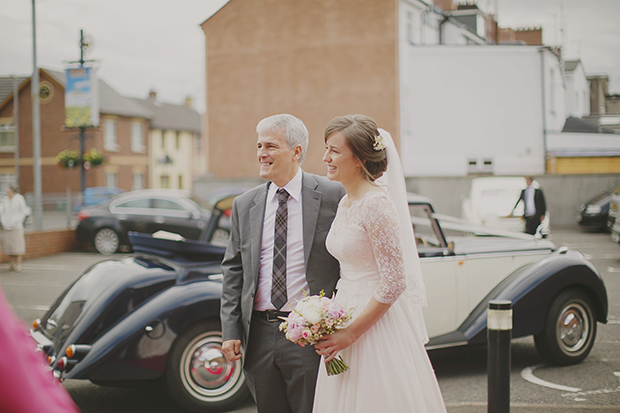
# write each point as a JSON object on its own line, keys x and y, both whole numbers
{"x": 531, "y": 36}
{"x": 506, "y": 35}
{"x": 189, "y": 102}
{"x": 445, "y": 4}
{"x": 152, "y": 95}
{"x": 492, "y": 32}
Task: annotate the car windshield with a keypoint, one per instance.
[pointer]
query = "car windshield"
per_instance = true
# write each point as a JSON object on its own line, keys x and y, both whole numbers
{"x": 498, "y": 201}
{"x": 424, "y": 228}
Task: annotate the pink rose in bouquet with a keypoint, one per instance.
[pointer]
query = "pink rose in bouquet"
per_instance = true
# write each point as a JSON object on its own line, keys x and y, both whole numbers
{"x": 313, "y": 317}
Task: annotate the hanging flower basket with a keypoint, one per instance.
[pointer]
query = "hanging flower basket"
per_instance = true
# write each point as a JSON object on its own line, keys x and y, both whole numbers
{"x": 94, "y": 157}
{"x": 68, "y": 159}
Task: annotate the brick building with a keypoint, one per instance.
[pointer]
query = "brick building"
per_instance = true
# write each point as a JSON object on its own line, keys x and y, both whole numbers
{"x": 122, "y": 136}
{"x": 312, "y": 59}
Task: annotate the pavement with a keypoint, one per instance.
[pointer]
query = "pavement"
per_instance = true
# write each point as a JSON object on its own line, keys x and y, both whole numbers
{"x": 66, "y": 266}
{"x": 531, "y": 408}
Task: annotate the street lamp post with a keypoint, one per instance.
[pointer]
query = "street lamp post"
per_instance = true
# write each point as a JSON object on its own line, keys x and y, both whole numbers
{"x": 36, "y": 128}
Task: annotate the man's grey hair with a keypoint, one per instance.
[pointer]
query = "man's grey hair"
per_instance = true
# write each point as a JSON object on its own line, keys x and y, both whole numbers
{"x": 295, "y": 132}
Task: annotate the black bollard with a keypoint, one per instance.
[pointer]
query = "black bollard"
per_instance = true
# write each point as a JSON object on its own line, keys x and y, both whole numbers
{"x": 499, "y": 336}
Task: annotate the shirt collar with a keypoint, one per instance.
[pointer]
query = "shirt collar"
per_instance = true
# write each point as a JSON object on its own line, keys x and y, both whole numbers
{"x": 293, "y": 187}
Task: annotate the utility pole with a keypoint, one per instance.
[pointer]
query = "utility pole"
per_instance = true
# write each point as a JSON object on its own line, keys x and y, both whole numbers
{"x": 82, "y": 129}
{"x": 36, "y": 128}
{"x": 83, "y": 46}
{"x": 16, "y": 125}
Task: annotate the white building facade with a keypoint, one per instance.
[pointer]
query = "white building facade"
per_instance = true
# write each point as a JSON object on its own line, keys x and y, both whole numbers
{"x": 467, "y": 107}
{"x": 577, "y": 94}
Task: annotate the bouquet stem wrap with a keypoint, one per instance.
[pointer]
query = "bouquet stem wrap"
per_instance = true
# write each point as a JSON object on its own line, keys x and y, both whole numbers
{"x": 336, "y": 366}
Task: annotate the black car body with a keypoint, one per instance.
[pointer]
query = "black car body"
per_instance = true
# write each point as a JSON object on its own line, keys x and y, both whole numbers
{"x": 106, "y": 226}
{"x": 594, "y": 214}
{"x": 155, "y": 315}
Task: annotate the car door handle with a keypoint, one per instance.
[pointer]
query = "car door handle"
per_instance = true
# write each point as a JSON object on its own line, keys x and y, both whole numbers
{"x": 159, "y": 220}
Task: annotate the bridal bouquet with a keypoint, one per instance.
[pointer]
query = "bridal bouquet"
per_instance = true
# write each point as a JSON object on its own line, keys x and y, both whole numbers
{"x": 313, "y": 317}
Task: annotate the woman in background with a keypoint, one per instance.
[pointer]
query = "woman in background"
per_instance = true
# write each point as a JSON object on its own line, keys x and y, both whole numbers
{"x": 13, "y": 212}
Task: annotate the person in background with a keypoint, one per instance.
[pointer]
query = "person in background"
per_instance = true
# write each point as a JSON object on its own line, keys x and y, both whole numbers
{"x": 535, "y": 207}
{"x": 26, "y": 386}
{"x": 13, "y": 212}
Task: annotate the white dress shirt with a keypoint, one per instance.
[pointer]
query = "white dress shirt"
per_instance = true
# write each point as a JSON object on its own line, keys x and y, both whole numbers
{"x": 530, "y": 206}
{"x": 295, "y": 264}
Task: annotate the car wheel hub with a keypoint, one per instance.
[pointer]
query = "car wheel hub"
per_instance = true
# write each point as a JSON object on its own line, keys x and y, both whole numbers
{"x": 106, "y": 241}
{"x": 207, "y": 374}
{"x": 573, "y": 328}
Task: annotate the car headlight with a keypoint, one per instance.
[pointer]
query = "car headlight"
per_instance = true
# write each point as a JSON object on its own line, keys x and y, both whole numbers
{"x": 593, "y": 209}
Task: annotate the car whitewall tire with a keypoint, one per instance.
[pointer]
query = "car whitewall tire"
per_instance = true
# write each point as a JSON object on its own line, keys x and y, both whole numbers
{"x": 570, "y": 329}
{"x": 198, "y": 375}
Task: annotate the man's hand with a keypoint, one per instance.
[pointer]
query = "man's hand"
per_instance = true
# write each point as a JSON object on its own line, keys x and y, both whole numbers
{"x": 232, "y": 349}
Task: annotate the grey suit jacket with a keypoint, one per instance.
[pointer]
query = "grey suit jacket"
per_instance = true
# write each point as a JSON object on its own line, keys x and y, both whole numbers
{"x": 240, "y": 266}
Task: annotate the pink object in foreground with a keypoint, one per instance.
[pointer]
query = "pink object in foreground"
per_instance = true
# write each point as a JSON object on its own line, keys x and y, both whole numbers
{"x": 25, "y": 385}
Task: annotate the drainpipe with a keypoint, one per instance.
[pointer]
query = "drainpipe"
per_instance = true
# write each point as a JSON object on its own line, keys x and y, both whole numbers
{"x": 544, "y": 104}
{"x": 16, "y": 126}
{"x": 441, "y": 23}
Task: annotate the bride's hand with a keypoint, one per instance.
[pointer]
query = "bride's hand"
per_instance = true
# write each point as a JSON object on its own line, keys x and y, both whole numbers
{"x": 329, "y": 346}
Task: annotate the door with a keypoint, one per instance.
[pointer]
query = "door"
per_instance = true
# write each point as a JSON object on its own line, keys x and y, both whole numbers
{"x": 439, "y": 269}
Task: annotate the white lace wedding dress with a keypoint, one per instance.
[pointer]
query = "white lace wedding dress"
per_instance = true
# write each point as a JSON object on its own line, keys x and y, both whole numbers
{"x": 389, "y": 369}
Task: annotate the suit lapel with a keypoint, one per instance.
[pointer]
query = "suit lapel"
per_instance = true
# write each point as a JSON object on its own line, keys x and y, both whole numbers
{"x": 311, "y": 202}
{"x": 257, "y": 215}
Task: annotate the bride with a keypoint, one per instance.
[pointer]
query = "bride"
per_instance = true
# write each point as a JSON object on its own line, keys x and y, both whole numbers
{"x": 372, "y": 238}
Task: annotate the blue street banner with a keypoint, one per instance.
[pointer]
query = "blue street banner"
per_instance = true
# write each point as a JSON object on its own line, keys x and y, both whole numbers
{"x": 81, "y": 98}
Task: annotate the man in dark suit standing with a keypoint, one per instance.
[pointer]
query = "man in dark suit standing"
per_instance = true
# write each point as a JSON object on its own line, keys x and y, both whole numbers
{"x": 535, "y": 207}
{"x": 275, "y": 253}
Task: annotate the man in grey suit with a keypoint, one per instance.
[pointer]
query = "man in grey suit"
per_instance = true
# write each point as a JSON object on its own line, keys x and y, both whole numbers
{"x": 276, "y": 251}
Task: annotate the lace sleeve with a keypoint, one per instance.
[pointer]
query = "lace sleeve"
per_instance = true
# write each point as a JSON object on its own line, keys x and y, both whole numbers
{"x": 381, "y": 224}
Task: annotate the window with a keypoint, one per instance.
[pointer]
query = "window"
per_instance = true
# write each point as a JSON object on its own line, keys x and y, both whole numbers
{"x": 166, "y": 204}
{"x": 7, "y": 138}
{"x": 180, "y": 181}
{"x": 110, "y": 141}
{"x": 137, "y": 137}
{"x": 197, "y": 143}
{"x": 424, "y": 228}
{"x": 164, "y": 181}
{"x": 6, "y": 180}
{"x": 111, "y": 180}
{"x": 480, "y": 166}
{"x": 178, "y": 140}
{"x": 163, "y": 140}
{"x": 138, "y": 181}
{"x": 136, "y": 203}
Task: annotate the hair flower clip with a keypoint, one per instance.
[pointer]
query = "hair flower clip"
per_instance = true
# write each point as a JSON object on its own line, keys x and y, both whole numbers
{"x": 378, "y": 145}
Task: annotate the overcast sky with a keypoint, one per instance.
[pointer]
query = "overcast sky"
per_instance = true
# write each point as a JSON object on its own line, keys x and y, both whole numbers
{"x": 141, "y": 45}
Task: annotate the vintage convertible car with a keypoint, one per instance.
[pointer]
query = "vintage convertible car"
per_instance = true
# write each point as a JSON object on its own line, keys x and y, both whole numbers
{"x": 154, "y": 316}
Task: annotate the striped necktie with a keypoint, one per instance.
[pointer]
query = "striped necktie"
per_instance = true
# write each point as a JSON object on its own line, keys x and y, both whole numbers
{"x": 278, "y": 281}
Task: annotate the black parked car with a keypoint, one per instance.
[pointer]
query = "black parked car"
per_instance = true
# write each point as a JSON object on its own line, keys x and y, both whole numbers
{"x": 147, "y": 211}
{"x": 154, "y": 316}
{"x": 594, "y": 213}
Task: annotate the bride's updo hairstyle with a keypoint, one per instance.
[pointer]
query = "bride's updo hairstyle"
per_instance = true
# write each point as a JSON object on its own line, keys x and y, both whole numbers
{"x": 361, "y": 133}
